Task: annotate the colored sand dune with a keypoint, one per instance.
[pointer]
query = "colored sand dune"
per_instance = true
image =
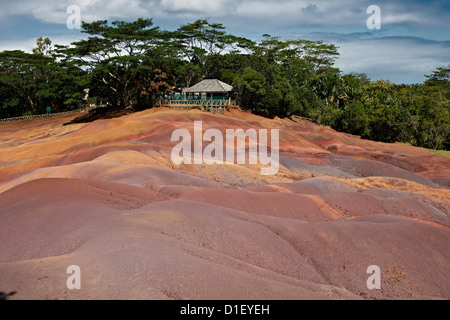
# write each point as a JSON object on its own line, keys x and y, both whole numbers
{"x": 106, "y": 196}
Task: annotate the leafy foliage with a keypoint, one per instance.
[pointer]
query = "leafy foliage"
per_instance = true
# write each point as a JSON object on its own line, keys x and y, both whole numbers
{"x": 129, "y": 64}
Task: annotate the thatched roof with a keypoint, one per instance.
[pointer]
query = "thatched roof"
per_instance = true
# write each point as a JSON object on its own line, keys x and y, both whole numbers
{"x": 209, "y": 86}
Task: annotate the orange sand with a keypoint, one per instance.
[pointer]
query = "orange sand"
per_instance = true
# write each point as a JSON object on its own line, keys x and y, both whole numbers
{"x": 107, "y": 197}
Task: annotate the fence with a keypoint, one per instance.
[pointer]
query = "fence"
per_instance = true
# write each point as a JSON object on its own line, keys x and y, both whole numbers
{"x": 49, "y": 115}
{"x": 220, "y": 103}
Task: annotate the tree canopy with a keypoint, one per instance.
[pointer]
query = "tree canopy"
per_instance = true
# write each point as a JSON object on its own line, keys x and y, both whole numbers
{"x": 129, "y": 64}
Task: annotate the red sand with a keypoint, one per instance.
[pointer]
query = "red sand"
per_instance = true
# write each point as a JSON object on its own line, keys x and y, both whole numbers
{"x": 105, "y": 196}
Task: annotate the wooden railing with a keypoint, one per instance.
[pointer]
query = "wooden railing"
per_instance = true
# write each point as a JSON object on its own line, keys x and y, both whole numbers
{"x": 197, "y": 103}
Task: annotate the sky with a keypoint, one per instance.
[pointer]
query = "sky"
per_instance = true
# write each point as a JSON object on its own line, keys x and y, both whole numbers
{"x": 411, "y": 40}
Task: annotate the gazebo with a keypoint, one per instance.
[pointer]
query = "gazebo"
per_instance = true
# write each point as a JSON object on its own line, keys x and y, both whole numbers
{"x": 208, "y": 94}
{"x": 208, "y": 89}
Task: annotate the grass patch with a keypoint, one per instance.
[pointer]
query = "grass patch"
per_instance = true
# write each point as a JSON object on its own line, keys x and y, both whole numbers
{"x": 441, "y": 153}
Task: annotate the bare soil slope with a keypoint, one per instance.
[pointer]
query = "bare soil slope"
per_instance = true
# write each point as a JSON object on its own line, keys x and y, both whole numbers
{"x": 106, "y": 196}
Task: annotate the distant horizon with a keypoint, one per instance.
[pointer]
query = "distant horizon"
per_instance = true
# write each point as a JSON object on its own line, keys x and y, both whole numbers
{"x": 413, "y": 39}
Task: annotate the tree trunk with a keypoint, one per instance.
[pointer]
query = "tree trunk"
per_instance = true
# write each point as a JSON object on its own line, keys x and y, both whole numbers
{"x": 32, "y": 104}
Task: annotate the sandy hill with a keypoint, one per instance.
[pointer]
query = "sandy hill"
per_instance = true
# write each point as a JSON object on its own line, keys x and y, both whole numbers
{"x": 106, "y": 196}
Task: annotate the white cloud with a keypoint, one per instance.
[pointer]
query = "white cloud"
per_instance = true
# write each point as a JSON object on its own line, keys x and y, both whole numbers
{"x": 23, "y": 44}
{"x": 51, "y": 11}
{"x": 279, "y": 13}
{"x": 409, "y": 18}
{"x": 183, "y": 7}
{"x": 398, "y": 59}
{"x": 28, "y": 44}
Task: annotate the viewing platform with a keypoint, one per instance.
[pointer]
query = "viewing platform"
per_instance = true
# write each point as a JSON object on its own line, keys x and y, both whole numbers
{"x": 208, "y": 95}
{"x": 201, "y": 104}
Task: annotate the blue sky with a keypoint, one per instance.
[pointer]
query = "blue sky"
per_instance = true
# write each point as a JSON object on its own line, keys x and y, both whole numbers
{"x": 413, "y": 40}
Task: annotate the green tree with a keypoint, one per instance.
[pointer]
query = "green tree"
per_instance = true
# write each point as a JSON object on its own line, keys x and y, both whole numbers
{"x": 117, "y": 55}
{"x": 43, "y": 46}
{"x": 34, "y": 81}
{"x": 251, "y": 87}
{"x": 202, "y": 38}
{"x": 441, "y": 76}
{"x": 189, "y": 74}
{"x": 24, "y": 73}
